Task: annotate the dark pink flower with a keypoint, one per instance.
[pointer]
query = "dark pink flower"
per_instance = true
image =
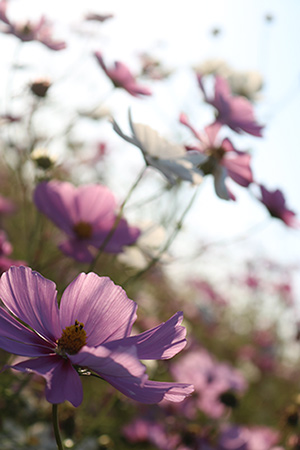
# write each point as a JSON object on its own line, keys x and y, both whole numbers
{"x": 26, "y": 32}
{"x": 223, "y": 160}
{"x": 121, "y": 77}
{"x": 274, "y": 201}
{"x": 86, "y": 214}
{"x": 90, "y": 332}
{"x": 234, "y": 111}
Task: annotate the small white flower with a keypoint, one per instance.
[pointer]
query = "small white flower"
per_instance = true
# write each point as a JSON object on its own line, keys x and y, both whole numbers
{"x": 172, "y": 160}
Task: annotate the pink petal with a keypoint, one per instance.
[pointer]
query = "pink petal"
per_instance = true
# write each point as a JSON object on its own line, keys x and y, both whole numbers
{"x": 103, "y": 308}
{"x": 31, "y": 298}
{"x": 161, "y": 342}
{"x": 16, "y": 338}
{"x": 62, "y": 381}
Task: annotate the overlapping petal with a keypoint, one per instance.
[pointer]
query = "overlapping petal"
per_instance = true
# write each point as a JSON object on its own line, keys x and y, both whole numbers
{"x": 62, "y": 381}
{"x": 31, "y": 298}
{"x": 104, "y": 308}
{"x": 161, "y": 342}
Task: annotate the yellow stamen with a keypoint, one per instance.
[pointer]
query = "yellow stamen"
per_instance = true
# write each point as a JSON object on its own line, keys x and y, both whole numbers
{"x": 83, "y": 230}
{"x": 73, "y": 338}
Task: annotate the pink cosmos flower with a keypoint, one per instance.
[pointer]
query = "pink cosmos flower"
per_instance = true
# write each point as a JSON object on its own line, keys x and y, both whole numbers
{"x": 247, "y": 438}
{"x": 234, "y": 111}
{"x": 26, "y": 32}
{"x": 212, "y": 380}
{"x": 86, "y": 214}
{"x": 274, "y": 201}
{"x": 90, "y": 332}
{"x": 223, "y": 160}
{"x": 121, "y": 77}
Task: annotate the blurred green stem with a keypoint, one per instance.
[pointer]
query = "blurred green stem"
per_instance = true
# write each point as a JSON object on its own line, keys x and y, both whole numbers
{"x": 56, "y": 427}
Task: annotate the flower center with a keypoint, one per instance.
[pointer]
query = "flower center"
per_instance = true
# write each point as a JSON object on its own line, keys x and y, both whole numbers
{"x": 83, "y": 230}
{"x": 73, "y": 338}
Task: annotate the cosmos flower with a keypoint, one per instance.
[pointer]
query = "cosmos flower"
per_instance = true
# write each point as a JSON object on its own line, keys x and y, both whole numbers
{"x": 223, "y": 160}
{"x": 234, "y": 111}
{"x": 172, "y": 160}
{"x": 274, "y": 201}
{"x": 87, "y": 215}
{"x": 90, "y": 332}
{"x": 26, "y": 32}
{"x": 215, "y": 383}
{"x": 121, "y": 77}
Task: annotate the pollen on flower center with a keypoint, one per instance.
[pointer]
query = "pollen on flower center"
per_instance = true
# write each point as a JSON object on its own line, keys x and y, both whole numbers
{"x": 73, "y": 338}
{"x": 83, "y": 230}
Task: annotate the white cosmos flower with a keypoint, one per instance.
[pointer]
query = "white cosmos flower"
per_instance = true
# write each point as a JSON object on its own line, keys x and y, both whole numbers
{"x": 172, "y": 160}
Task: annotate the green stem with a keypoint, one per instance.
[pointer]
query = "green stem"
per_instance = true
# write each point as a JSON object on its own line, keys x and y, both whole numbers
{"x": 56, "y": 427}
{"x": 117, "y": 221}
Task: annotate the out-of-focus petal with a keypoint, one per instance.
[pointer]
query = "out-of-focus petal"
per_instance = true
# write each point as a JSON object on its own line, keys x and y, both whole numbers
{"x": 31, "y": 298}
{"x": 103, "y": 308}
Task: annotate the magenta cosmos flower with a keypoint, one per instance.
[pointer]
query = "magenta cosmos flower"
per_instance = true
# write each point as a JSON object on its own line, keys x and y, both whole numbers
{"x": 26, "y": 32}
{"x": 121, "y": 77}
{"x": 223, "y": 160}
{"x": 234, "y": 111}
{"x": 89, "y": 332}
{"x": 274, "y": 201}
{"x": 86, "y": 214}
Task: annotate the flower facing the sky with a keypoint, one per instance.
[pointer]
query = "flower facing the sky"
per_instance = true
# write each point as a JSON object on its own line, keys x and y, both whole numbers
{"x": 172, "y": 160}
{"x": 26, "y": 32}
{"x": 274, "y": 201}
{"x": 223, "y": 160}
{"x": 87, "y": 215}
{"x": 121, "y": 77}
{"x": 89, "y": 332}
{"x": 234, "y": 111}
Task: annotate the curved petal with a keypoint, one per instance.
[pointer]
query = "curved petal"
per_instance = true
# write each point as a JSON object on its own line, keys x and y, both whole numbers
{"x": 120, "y": 367}
{"x": 77, "y": 249}
{"x": 55, "y": 199}
{"x": 62, "y": 380}
{"x": 122, "y": 235}
{"x": 156, "y": 391}
{"x": 94, "y": 203}
{"x": 16, "y": 338}
{"x": 31, "y": 298}
{"x": 103, "y": 308}
{"x": 161, "y": 342}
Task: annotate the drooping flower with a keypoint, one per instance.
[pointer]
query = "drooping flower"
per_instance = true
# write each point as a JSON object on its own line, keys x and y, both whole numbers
{"x": 274, "y": 201}
{"x": 90, "y": 331}
{"x": 234, "y": 111}
{"x": 87, "y": 215}
{"x": 121, "y": 77}
{"x": 26, "y": 32}
{"x": 223, "y": 160}
{"x": 172, "y": 160}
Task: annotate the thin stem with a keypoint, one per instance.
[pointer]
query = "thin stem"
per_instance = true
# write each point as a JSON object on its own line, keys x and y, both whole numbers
{"x": 56, "y": 427}
{"x": 117, "y": 221}
{"x": 168, "y": 243}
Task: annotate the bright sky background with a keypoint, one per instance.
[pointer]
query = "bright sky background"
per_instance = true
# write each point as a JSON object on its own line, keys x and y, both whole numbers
{"x": 179, "y": 33}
